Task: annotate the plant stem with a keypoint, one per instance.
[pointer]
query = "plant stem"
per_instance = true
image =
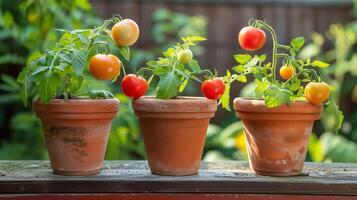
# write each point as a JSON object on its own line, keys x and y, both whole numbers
{"x": 275, "y": 46}
{"x": 300, "y": 73}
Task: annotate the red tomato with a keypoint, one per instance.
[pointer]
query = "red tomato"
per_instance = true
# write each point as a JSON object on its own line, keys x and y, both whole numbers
{"x": 134, "y": 86}
{"x": 251, "y": 38}
{"x": 213, "y": 89}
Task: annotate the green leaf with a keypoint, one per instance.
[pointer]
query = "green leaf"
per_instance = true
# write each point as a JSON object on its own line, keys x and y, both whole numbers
{"x": 194, "y": 66}
{"x": 294, "y": 84}
{"x": 252, "y": 62}
{"x": 332, "y": 117}
{"x": 79, "y": 61}
{"x": 100, "y": 94}
{"x": 125, "y": 52}
{"x": 193, "y": 39}
{"x": 260, "y": 88}
{"x": 48, "y": 86}
{"x": 168, "y": 86}
{"x": 242, "y": 58}
{"x": 183, "y": 85}
{"x": 225, "y": 99}
{"x": 239, "y": 68}
{"x": 320, "y": 64}
{"x": 39, "y": 70}
{"x": 169, "y": 52}
{"x": 242, "y": 78}
{"x": 275, "y": 96}
{"x": 297, "y": 43}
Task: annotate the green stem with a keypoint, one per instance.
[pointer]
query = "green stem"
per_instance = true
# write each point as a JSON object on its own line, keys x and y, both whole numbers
{"x": 283, "y": 46}
{"x": 275, "y": 46}
{"x": 316, "y": 77}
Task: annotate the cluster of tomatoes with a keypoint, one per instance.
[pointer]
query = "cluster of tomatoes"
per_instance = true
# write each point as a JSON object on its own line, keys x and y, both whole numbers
{"x": 126, "y": 33}
{"x": 107, "y": 67}
{"x": 252, "y": 39}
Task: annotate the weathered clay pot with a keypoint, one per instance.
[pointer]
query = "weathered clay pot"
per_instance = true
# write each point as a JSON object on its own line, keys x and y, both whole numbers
{"x": 174, "y": 132}
{"x": 76, "y": 133}
{"x": 276, "y": 138}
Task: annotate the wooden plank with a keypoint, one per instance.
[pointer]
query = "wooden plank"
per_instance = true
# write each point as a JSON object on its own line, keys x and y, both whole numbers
{"x": 215, "y": 177}
{"x": 333, "y": 3}
{"x": 171, "y": 197}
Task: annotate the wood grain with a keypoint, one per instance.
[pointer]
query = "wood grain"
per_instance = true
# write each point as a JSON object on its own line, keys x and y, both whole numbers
{"x": 134, "y": 177}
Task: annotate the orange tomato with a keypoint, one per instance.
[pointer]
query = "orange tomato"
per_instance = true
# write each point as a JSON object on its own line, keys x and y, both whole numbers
{"x": 286, "y": 72}
{"x": 105, "y": 67}
{"x": 317, "y": 93}
{"x": 125, "y": 33}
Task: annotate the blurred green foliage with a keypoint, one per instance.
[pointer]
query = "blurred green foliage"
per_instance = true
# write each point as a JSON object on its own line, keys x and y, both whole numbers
{"x": 341, "y": 42}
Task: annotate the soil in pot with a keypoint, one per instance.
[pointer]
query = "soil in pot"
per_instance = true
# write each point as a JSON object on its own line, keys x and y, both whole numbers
{"x": 174, "y": 132}
{"x": 76, "y": 133}
{"x": 276, "y": 138}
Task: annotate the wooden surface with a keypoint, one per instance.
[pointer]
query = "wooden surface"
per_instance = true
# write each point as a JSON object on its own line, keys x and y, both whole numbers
{"x": 230, "y": 177}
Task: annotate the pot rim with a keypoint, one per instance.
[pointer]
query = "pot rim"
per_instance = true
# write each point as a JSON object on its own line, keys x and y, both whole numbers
{"x": 77, "y": 106}
{"x": 242, "y": 104}
{"x": 182, "y": 104}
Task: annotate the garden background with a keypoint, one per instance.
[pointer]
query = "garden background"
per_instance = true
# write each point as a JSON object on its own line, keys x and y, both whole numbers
{"x": 329, "y": 26}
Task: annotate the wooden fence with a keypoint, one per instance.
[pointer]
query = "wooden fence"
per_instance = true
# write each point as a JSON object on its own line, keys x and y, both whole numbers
{"x": 226, "y": 18}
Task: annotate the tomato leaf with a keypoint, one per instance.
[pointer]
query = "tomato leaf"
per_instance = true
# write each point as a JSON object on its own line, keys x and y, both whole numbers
{"x": 242, "y": 58}
{"x": 225, "y": 99}
{"x": 239, "y": 68}
{"x": 241, "y": 78}
{"x": 297, "y": 43}
{"x": 320, "y": 64}
{"x": 194, "y": 66}
{"x": 79, "y": 61}
{"x": 100, "y": 94}
{"x": 183, "y": 85}
{"x": 125, "y": 52}
{"x": 47, "y": 87}
{"x": 332, "y": 117}
{"x": 260, "y": 88}
{"x": 275, "y": 96}
{"x": 168, "y": 86}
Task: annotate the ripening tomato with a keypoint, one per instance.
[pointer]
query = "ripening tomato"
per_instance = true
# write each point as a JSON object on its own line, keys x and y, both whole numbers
{"x": 105, "y": 67}
{"x": 251, "y": 38}
{"x": 184, "y": 56}
{"x": 317, "y": 93}
{"x": 213, "y": 89}
{"x": 125, "y": 33}
{"x": 286, "y": 72}
{"x": 134, "y": 86}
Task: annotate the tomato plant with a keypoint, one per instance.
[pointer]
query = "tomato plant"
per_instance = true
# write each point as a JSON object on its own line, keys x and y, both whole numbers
{"x": 213, "y": 89}
{"x": 134, "y": 86}
{"x": 175, "y": 68}
{"x": 296, "y": 74}
{"x": 61, "y": 72}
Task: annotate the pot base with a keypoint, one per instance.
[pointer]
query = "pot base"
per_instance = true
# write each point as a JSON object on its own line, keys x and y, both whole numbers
{"x": 68, "y": 173}
{"x": 282, "y": 174}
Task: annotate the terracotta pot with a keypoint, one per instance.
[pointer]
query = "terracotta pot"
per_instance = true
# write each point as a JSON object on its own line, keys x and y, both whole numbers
{"x": 276, "y": 138}
{"x": 76, "y": 133}
{"x": 174, "y": 132}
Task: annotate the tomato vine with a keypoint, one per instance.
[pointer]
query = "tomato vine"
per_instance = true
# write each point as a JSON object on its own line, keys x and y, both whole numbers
{"x": 61, "y": 72}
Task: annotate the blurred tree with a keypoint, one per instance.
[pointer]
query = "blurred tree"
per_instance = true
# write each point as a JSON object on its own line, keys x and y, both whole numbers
{"x": 27, "y": 26}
